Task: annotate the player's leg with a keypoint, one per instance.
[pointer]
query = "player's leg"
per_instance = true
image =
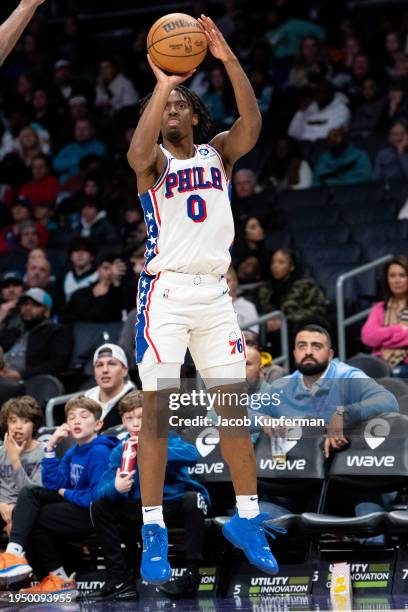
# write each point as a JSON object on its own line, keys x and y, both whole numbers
{"x": 218, "y": 349}
{"x": 161, "y": 343}
{"x": 152, "y": 459}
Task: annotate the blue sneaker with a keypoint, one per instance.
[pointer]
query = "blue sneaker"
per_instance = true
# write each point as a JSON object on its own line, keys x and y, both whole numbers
{"x": 249, "y": 536}
{"x": 155, "y": 568}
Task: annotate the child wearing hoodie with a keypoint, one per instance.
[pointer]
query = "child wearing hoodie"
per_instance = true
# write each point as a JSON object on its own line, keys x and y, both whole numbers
{"x": 119, "y": 504}
{"x": 59, "y": 510}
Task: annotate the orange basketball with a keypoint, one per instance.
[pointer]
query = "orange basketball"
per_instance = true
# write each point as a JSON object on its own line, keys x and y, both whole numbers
{"x": 177, "y": 43}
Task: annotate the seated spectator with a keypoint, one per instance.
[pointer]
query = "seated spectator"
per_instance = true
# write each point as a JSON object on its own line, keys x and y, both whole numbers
{"x": 43, "y": 214}
{"x": 103, "y": 300}
{"x": 127, "y": 338}
{"x": 392, "y": 162}
{"x": 30, "y": 145}
{"x": 58, "y": 511}
{"x": 114, "y": 91}
{"x": 81, "y": 272}
{"x": 343, "y": 163}
{"x": 287, "y": 34}
{"x": 39, "y": 274}
{"x": 20, "y": 212}
{"x": 11, "y": 289}
{"x": 386, "y": 329}
{"x": 250, "y": 242}
{"x": 44, "y": 187}
{"x": 43, "y": 113}
{"x": 393, "y": 50}
{"x": 286, "y": 168}
{"x": 66, "y": 162}
{"x": 245, "y": 309}
{"x": 309, "y": 53}
{"x": 20, "y": 455}
{"x": 40, "y": 346}
{"x": 396, "y": 105}
{"x": 368, "y": 108}
{"x": 249, "y": 270}
{"x": 31, "y": 236}
{"x": 340, "y": 404}
{"x": 246, "y": 199}
{"x": 318, "y": 114}
{"x": 132, "y": 216}
{"x": 112, "y": 384}
{"x": 95, "y": 225}
{"x": 218, "y": 98}
{"x": 298, "y": 296}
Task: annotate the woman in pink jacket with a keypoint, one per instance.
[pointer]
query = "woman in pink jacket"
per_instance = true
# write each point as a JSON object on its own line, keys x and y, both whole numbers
{"x": 386, "y": 329}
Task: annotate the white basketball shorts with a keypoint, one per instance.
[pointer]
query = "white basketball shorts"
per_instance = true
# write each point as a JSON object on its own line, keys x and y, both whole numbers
{"x": 178, "y": 311}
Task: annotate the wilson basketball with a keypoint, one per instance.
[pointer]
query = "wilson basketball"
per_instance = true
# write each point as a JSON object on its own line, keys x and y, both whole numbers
{"x": 176, "y": 43}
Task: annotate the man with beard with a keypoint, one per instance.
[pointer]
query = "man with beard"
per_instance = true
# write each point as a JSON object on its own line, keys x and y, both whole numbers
{"x": 317, "y": 389}
{"x": 40, "y": 346}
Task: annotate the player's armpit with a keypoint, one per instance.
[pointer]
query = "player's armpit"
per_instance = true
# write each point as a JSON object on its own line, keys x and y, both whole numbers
{"x": 147, "y": 170}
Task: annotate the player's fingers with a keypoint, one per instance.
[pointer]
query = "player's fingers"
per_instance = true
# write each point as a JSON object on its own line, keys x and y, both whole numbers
{"x": 326, "y": 448}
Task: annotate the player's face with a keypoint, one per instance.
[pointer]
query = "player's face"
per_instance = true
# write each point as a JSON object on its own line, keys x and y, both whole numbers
{"x": 133, "y": 421}
{"x": 20, "y": 428}
{"x": 312, "y": 352}
{"x": 178, "y": 117}
{"x": 109, "y": 373}
{"x": 397, "y": 280}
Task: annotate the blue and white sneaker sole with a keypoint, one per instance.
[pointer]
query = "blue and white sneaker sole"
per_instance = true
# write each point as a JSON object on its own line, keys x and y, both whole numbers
{"x": 15, "y": 573}
{"x": 229, "y": 536}
{"x": 161, "y": 581}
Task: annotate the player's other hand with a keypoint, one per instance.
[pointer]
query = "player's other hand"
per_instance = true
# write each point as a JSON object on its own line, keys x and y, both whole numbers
{"x": 216, "y": 42}
{"x": 170, "y": 79}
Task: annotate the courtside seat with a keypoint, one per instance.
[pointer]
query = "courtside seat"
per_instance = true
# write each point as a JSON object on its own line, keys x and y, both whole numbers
{"x": 364, "y": 526}
{"x": 397, "y": 386}
{"x": 397, "y": 522}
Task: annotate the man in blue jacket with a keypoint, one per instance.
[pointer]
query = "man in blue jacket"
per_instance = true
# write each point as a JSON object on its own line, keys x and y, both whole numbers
{"x": 119, "y": 504}
{"x": 59, "y": 510}
{"x": 324, "y": 388}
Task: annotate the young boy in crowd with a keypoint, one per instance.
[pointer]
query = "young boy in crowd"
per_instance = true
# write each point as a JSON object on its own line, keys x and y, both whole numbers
{"x": 185, "y": 503}
{"x": 59, "y": 510}
{"x": 21, "y": 454}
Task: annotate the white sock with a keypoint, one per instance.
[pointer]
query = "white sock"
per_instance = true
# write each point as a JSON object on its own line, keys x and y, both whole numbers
{"x": 153, "y": 514}
{"x": 60, "y": 572}
{"x": 15, "y": 549}
{"x": 247, "y": 506}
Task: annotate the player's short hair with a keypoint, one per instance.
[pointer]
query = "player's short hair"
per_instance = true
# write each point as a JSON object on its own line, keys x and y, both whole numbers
{"x": 130, "y": 401}
{"x": 25, "y": 407}
{"x": 313, "y": 327}
{"x": 200, "y": 131}
{"x": 86, "y": 403}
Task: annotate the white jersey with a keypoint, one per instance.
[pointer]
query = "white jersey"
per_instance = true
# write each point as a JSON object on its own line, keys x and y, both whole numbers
{"x": 188, "y": 216}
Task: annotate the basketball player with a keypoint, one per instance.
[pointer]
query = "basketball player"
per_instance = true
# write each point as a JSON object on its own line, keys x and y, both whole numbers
{"x": 183, "y": 299}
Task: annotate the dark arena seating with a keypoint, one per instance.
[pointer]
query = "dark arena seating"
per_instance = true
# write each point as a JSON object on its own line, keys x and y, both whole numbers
{"x": 327, "y": 185}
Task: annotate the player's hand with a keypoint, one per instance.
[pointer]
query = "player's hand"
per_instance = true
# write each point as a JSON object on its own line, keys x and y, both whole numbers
{"x": 13, "y": 449}
{"x": 172, "y": 80}
{"x": 336, "y": 439}
{"x": 123, "y": 484}
{"x": 216, "y": 42}
{"x": 61, "y": 433}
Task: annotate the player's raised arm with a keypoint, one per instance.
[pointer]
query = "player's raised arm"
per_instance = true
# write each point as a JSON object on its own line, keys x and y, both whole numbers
{"x": 143, "y": 150}
{"x": 13, "y": 27}
{"x": 244, "y": 133}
